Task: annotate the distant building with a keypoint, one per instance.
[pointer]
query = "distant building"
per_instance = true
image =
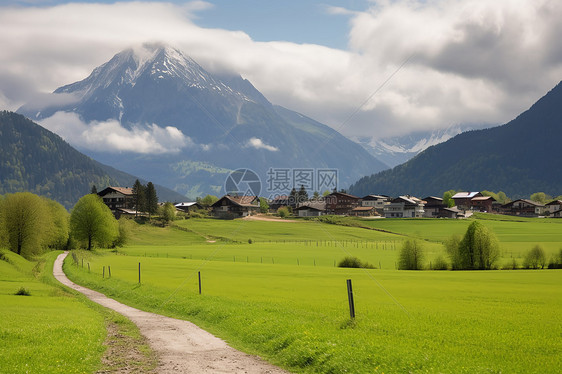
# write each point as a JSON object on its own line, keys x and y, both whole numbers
{"x": 188, "y": 207}
{"x": 404, "y": 207}
{"x": 278, "y": 202}
{"x": 463, "y": 200}
{"x": 375, "y": 201}
{"x": 312, "y": 209}
{"x": 433, "y": 207}
{"x": 120, "y": 200}
{"x": 483, "y": 203}
{"x": 236, "y": 206}
{"x": 524, "y": 207}
{"x": 364, "y": 211}
{"x": 554, "y": 206}
{"x": 341, "y": 203}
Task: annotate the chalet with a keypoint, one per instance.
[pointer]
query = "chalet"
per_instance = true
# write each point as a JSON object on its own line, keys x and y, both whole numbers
{"x": 311, "y": 209}
{"x": 364, "y": 211}
{"x": 341, "y": 203}
{"x": 120, "y": 200}
{"x": 557, "y": 214}
{"x": 523, "y": 207}
{"x": 433, "y": 206}
{"x": 554, "y": 206}
{"x": 278, "y": 202}
{"x": 375, "y": 201}
{"x": 236, "y": 206}
{"x": 483, "y": 203}
{"x": 463, "y": 200}
{"x": 453, "y": 212}
{"x": 188, "y": 207}
{"x": 404, "y": 207}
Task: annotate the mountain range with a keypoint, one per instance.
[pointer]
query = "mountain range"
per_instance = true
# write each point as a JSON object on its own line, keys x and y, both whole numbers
{"x": 202, "y": 126}
{"x": 519, "y": 158}
{"x": 36, "y": 160}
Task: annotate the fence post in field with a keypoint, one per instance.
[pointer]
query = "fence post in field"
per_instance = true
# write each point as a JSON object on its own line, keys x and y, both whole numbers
{"x": 199, "y": 275}
{"x": 82, "y": 262}
{"x": 350, "y": 299}
{"x": 103, "y": 273}
{"x": 139, "y": 274}
{"x": 88, "y": 267}
{"x": 109, "y": 269}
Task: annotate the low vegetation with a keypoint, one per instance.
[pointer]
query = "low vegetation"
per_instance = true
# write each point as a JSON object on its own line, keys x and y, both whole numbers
{"x": 354, "y": 262}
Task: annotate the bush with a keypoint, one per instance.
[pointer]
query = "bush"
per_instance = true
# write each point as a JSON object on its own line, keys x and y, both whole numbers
{"x": 535, "y": 258}
{"x": 440, "y": 263}
{"x": 354, "y": 262}
{"x": 512, "y": 265}
{"x": 556, "y": 261}
{"x": 411, "y": 255}
{"x": 283, "y": 212}
{"x": 22, "y": 292}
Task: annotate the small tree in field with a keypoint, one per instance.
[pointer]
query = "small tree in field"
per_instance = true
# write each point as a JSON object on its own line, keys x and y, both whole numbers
{"x": 411, "y": 255}
{"x": 535, "y": 258}
{"x": 478, "y": 249}
{"x": 91, "y": 221}
{"x": 167, "y": 213}
{"x": 264, "y": 205}
{"x": 283, "y": 212}
{"x": 151, "y": 199}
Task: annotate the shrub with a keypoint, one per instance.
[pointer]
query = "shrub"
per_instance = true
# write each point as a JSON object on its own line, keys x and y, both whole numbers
{"x": 511, "y": 265}
{"x": 354, "y": 262}
{"x": 283, "y": 212}
{"x": 535, "y": 258}
{"x": 440, "y": 263}
{"x": 22, "y": 292}
{"x": 411, "y": 255}
{"x": 556, "y": 261}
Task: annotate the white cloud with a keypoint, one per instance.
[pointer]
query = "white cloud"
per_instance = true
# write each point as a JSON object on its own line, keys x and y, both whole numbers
{"x": 472, "y": 61}
{"x": 110, "y": 136}
{"x": 259, "y": 144}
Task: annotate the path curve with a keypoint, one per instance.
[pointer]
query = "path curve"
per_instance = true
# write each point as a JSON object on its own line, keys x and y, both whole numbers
{"x": 181, "y": 346}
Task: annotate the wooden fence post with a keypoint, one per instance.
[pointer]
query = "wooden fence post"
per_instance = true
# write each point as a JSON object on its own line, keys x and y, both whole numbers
{"x": 350, "y": 299}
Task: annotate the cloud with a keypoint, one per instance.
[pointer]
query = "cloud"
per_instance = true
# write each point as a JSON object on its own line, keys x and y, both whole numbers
{"x": 468, "y": 61}
{"x": 259, "y": 144}
{"x": 110, "y": 136}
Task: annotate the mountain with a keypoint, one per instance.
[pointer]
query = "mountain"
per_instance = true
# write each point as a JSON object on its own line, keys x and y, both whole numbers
{"x": 226, "y": 123}
{"x": 519, "y": 158}
{"x": 396, "y": 150}
{"x": 36, "y": 160}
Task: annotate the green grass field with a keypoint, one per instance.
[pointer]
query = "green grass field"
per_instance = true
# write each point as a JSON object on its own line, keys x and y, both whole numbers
{"x": 282, "y": 298}
{"x": 50, "y": 331}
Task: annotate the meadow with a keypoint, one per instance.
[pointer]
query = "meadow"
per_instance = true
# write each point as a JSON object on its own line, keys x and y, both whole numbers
{"x": 281, "y": 296}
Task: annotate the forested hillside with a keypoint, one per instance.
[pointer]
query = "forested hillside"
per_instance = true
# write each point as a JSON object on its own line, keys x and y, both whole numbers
{"x": 36, "y": 160}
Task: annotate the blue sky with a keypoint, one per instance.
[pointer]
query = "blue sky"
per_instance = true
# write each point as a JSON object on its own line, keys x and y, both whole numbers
{"x": 369, "y": 69}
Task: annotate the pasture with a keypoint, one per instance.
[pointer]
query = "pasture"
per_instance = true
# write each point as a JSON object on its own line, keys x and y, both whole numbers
{"x": 282, "y": 298}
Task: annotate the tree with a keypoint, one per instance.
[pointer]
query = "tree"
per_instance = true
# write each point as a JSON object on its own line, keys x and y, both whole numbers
{"x": 91, "y": 221}
{"x": 57, "y": 229}
{"x": 411, "y": 255}
{"x": 151, "y": 200}
{"x": 94, "y": 190}
{"x": 541, "y": 197}
{"x": 23, "y": 222}
{"x": 167, "y": 212}
{"x": 208, "y": 200}
{"x": 315, "y": 195}
{"x": 139, "y": 197}
{"x": 302, "y": 195}
{"x": 448, "y": 198}
{"x": 283, "y": 212}
{"x": 535, "y": 258}
{"x": 478, "y": 249}
{"x": 293, "y": 198}
{"x": 264, "y": 205}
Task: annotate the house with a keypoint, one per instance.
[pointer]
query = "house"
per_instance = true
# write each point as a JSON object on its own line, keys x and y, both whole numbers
{"x": 433, "y": 206}
{"x": 312, "y": 209}
{"x": 278, "y": 202}
{"x": 524, "y": 207}
{"x": 404, "y": 207}
{"x": 120, "y": 200}
{"x": 557, "y": 214}
{"x": 463, "y": 200}
{"x": 554, "y": 206}
{"x": 364, "y": 211}
{"x": 236, "y": 206}
{"x": 453, "y": 212}
{"x": 375, "y": 201}
{"x": 341, "y": 203}
{"x": 188, "y": 207}
{"x": 483, "y": 203}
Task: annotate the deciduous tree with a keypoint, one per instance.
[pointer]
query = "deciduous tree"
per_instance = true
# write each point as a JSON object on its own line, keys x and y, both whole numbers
{"x": 535, "y": 258}
{"x": 411, "y": 255}
{"x": 478, "y": 249}
{"x": 264, "y": 205}
{"x": 91, "y": 221}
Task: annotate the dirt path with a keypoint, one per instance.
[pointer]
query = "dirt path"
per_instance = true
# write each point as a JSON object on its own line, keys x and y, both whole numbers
{"x": 181, "y": 346}
{"x": 260, "y": 217}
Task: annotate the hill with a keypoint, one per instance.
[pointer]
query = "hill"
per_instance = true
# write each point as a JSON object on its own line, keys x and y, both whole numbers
{"x": 519, "y": 158}
{"x": 225, "y": 121}
{"x": 36, "y": 160}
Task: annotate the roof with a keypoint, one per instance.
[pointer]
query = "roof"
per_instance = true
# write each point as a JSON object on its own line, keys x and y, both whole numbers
{"x": 530, "y": 202}
{"x": 465, "y": 195}
{"x": 318, "y": 206}
{"x": 432, "y": 198}
{"x": 345, "y": 195}
{"x": 121, "y": 190}
{"x": 409, "y": 199}
{"x": 186, "y": 204}
{"x": 362, "y": 208}
{"x": 482, "y": 198}
{"x": 555, "y": 202}
{"x": 238, "y": 200}
{"x": 374, "y": 197}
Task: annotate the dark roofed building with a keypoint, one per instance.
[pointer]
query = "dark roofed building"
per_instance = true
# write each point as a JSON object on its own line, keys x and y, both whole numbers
{"x": 523, "y": 207}
{"x": 341, "y": 203}
{"x": 118, "y": 199}
{"x": 236, "y": 206}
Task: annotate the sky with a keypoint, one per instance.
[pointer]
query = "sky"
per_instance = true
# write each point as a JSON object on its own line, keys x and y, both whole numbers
{"x": 369, "y": 69}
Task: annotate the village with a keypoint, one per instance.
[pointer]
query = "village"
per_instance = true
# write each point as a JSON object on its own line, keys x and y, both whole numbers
{"x": 120, "y": 201}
